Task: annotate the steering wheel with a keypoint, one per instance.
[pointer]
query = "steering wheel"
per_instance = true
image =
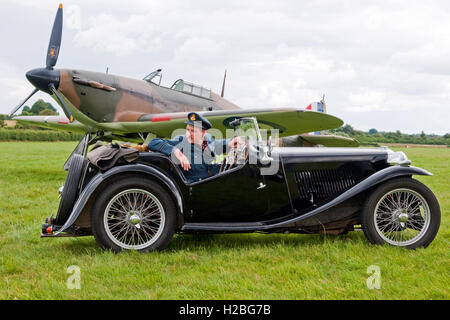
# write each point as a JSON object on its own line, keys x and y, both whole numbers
{"x": 235, "y": 155}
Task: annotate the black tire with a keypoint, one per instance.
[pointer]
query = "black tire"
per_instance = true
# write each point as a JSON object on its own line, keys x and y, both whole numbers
{"x": 70, "y": 190}
{"x": 165, "y": 207}
{"x": 391, "y": 219}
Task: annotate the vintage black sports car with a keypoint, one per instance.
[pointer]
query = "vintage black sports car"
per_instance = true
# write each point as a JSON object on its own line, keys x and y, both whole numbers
{"x": 139, "y": 206}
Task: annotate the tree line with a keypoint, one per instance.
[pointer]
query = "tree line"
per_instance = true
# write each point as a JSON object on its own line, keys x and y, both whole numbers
{"x": 39, "y": 108}
{"x": 22, "y": 132}
{"x": 373, "y": 136}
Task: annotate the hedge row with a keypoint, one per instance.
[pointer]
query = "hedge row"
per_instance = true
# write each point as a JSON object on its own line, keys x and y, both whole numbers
{"x": 38, "y": 135}
{"x": 406, "y": 140}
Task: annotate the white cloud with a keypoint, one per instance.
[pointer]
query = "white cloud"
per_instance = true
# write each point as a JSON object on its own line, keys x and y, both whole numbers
{"x": 13, "y": 83}
{"x": 199, "y": 50}
{"x": 367, "y": 101}
{"x": 15, "y": 88}
{"x": 121, "y": 37}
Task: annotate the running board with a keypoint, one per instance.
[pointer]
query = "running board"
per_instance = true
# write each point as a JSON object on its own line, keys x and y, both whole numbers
{"x": 224, "y": 226}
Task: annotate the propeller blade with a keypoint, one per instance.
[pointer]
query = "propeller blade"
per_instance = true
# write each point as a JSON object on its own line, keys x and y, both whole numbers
{"x": 22, "y": 103}
{"x": 55, "y": 39}
{"x": 52, "y": 88}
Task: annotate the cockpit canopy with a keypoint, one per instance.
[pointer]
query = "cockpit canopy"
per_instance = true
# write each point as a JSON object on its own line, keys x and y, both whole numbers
{"x": 188, "y": 87}
{"x": 154, "y": 74}
{"x": 180, "y": 85}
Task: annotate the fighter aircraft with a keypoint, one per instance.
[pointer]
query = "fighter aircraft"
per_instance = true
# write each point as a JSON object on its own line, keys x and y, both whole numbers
{"x": 115, "y": 107}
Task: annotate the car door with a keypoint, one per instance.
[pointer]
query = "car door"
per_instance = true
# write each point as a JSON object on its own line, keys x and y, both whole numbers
{"x": 237, "y": 195}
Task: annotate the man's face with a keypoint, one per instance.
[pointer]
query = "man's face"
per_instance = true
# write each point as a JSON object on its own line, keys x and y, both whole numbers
{"x": 195, "y": 134}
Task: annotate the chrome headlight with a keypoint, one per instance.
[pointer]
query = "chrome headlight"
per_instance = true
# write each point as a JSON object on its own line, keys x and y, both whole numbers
{"x": 397, "y": 157}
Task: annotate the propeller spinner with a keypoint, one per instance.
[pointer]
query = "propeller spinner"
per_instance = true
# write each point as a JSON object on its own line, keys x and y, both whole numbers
{"x": 47, "y": 79}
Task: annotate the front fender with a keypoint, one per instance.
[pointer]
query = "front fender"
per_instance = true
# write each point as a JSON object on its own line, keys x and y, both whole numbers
{"x": 100, "y": 177}
{"x": 373, "y": 180}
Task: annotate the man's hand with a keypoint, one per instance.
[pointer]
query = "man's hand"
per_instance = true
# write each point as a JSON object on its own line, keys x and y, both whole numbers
{"x": 235, "y": 142}
{"x": 140, "y": 148}
{"x": 184, "y": 161}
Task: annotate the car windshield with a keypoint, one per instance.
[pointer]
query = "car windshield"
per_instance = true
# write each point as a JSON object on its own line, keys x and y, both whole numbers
{"x": 152, "y": 75}
{"x": 248, "y": 128}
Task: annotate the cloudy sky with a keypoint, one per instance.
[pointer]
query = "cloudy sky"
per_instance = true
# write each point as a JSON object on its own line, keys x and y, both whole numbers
{"x": 380, "y": 64}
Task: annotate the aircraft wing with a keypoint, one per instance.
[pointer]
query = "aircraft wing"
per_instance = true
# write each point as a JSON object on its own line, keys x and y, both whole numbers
{"x": 289, "y": 121}
{"x": 52, "y": 122}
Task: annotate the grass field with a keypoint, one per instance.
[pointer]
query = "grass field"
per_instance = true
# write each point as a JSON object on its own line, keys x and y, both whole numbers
{"x": 246, "y": 266}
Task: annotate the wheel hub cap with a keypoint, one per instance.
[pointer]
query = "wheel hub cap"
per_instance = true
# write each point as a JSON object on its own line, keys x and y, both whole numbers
{"x": 402, "y": 218}
{"x": 134, "y": 219}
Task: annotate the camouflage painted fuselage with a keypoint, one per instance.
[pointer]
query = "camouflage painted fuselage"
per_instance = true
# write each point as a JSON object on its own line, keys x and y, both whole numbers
{"x": 110, "y": 98}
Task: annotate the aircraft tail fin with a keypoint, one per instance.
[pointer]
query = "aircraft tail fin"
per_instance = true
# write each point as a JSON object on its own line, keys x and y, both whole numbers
{"x": 318, "y": 106}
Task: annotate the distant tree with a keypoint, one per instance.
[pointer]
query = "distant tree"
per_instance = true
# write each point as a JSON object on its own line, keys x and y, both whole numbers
{"x": 51, "y": 107}
{"x": 2, "y": 123}
{"x": 47, "y": 112}
{"x": 38, "y": 106}
{"x": 389, "y": 135}
{"x": 374, "y": 136}
{"x": 348, "y": 129}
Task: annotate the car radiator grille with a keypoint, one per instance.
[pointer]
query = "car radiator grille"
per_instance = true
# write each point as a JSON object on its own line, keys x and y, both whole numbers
{"x": 317, "y": 185}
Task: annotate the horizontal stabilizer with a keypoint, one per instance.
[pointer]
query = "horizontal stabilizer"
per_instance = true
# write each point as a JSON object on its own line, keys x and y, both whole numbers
{"x": 324, "y": 140}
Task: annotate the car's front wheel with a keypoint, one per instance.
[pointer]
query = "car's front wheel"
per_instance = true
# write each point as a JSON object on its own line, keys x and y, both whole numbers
{"x": 133, "y": 214}
{"x": 401, "y": 212}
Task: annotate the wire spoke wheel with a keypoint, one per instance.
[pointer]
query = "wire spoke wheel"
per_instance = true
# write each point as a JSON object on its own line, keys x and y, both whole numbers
{"x": 401, "y": 217}
{"x": 134, "y": 219}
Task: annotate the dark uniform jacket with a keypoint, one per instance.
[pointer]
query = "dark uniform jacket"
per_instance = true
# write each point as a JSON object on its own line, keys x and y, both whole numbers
{"x": 201, "y": 157}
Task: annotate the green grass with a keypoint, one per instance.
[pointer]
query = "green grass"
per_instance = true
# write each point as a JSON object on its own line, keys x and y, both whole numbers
{"x": 239, "y": 266}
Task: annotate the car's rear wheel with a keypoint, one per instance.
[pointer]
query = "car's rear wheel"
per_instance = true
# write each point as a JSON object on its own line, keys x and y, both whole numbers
{"x": 133, "y": 214}
{"x": 70, "y": 189}
{"x": 401, "y": 212}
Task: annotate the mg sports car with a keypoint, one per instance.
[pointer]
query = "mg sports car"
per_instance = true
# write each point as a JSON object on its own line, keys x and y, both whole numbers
{"x": 259, "y": 188}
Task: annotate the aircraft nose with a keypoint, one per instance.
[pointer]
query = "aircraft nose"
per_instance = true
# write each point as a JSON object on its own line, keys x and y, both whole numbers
{"x": 41, "y": 78}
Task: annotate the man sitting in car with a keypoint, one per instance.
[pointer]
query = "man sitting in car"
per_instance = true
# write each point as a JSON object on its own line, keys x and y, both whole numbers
{"x": 196, "y": 150}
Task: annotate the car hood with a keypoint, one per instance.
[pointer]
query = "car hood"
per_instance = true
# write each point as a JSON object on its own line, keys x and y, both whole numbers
{"x": 318, "y": 154}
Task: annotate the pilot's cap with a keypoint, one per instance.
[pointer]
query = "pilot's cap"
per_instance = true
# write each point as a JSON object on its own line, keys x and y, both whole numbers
{"x": 198, "y": 121}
